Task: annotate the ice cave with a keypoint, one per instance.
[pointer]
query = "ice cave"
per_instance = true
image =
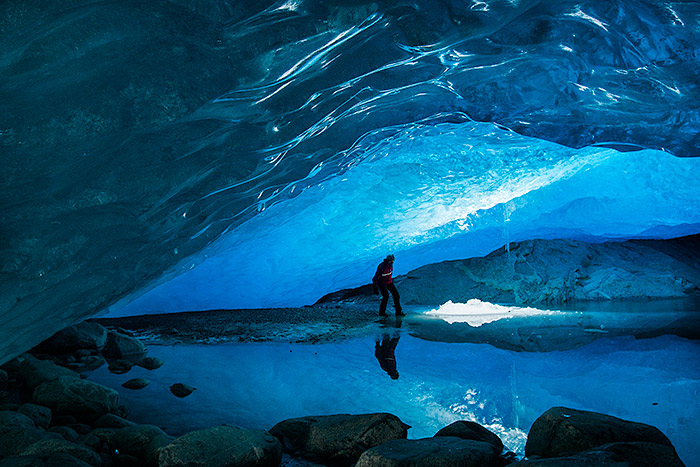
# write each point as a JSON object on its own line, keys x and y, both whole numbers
{"x": 220, "y": 179}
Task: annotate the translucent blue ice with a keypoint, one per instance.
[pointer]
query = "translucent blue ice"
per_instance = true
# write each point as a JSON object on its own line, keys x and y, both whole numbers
{"x": 427, "y": 194}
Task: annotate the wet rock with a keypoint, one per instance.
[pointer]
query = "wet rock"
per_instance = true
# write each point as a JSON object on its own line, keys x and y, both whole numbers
{"x": 50, "y": 460}
{"x": 138, "y": 440}
{"x": 91, "y": 363}
{"x": 49, "y": 446}
{"x": 112, "y": 421}
{"x": 465, "y": 429}
{"x": 121, "y": 346}
{"x": 85, "y": 335}
{"x": 338, "y": 439}
{"x": 136, "y": 383}
{"x": 80, "y": 428}
{"x": 150, "y": 363}
{"x": 613, "y": 455}
{"x": 36, "y": 372}
{"x": 67, "y": 433}
{"x": 72, "y": 396}
{"x": 440, "y": 451}
{"x": 561, "y": 431}
{"x": 203, "y": 448}
{"x": 39, "y": 414}
{"x": 119, "y": 367}
{"x": 17, "y": 432}
{"x": 181, "y": 390}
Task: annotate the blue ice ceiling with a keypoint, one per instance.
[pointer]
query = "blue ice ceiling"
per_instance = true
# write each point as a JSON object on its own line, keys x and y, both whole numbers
{"x": 282, "y": 148}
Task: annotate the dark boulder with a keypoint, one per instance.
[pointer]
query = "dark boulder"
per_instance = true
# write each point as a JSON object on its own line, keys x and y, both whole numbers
{"x": 40, "y": 415}
{"x": 4, "y": 379}
{"x": 17, "y": 432}
{"x": 119, "y": 367}
{"x": 561, "y": 431}
{"x": 465, "y": 429}
{"x": 85, "y": 335}
{"x": 441, "y": 451}
{"x": 112, "y": 421}
{"x": 338, "y": 439}
{"x": 67, "y": 433}
{"x": 35, "y": 371}
{"x": 613, "y": 455}
{"x": 121, "y": 346}
{"x": 56, "y": 459}
{"x": 251, "y": 448}
{"x": 137, "y": 439}
{"x": 49, "y": 446}
{"x": 73, "y": 396}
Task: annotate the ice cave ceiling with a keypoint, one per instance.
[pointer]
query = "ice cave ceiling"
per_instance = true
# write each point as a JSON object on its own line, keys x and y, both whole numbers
{"x": 275, "y": 150}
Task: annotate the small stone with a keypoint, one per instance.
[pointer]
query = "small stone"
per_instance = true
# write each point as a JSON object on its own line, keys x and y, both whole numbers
{"x": 136, "y": 383}
{"x": 39, "y": 414}
{"x": 119, "y": 367}
{"x": 151, "y": 363}
{"x": 181, "y": 390}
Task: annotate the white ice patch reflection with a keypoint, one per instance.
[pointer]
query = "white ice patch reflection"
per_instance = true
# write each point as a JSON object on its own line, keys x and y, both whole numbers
{"x": 477, "y": 313}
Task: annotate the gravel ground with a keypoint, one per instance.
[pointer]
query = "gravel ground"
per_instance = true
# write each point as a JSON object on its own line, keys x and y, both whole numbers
{"x": 311, "y": 324}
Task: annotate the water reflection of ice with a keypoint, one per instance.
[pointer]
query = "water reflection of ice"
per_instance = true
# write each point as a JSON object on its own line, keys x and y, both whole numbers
{"x": 477, "y": 313}
{"x": 654, "y": 381}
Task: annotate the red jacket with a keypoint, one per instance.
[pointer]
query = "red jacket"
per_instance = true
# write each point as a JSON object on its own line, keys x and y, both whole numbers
{"x": 383, "y": 274}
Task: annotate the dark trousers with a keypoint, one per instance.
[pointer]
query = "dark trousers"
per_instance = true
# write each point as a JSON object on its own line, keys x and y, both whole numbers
{"x": 385, "y": 289}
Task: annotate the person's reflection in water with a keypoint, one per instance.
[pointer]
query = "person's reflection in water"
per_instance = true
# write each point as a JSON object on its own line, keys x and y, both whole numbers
{"x": 385, "y": 353}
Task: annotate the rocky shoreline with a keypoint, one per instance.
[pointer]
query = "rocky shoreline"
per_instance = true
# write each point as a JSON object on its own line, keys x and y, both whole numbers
{"x": 51, "y": 415}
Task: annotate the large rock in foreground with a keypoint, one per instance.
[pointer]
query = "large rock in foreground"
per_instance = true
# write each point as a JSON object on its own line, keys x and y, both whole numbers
{"x": 338, "y": 439}
{"x": 613, "y": 455}
{"x": 561, "y": 431}
{"x": 17, "y": 432}
{"x": 431, "y": 452}
{"x": 223, "y": 446}
{"x": 465, "y": 429}
{"x": 85, "y": 335}
{"x": 36, "y": 372}
{"x": 80, "y": 398}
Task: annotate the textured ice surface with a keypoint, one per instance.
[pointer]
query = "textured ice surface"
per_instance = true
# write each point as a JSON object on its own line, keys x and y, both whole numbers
{"x": 135, "y": 134}
{"x": 428, "y": 194}
{"x": 652, "y": 381}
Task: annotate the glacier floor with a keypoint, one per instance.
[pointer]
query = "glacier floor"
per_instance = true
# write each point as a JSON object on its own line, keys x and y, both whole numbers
{"x": 255, "y": 385}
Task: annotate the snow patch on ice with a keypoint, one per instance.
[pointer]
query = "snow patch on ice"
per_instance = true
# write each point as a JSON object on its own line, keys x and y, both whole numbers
{"x": 477, "y": 313}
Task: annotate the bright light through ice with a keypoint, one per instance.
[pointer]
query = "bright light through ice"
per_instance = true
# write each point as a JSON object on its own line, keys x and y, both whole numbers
{"x": 476, "y": 313}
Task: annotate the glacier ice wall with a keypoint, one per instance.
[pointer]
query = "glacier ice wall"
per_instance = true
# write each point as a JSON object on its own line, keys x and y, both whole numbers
{"x": 429, "y": 194}
{"x": 136, "y": 135}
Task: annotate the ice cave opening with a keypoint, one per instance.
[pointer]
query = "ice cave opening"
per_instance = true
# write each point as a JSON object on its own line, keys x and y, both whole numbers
{"x": 220, "y": 179}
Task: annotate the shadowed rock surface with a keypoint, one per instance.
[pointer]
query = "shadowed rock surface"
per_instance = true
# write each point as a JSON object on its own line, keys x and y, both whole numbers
{"x": 561, "y": 431}
{"x": 338, "y": 439}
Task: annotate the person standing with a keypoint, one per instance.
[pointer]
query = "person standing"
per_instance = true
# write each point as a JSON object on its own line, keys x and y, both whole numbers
{"x": 383, "y": 281}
